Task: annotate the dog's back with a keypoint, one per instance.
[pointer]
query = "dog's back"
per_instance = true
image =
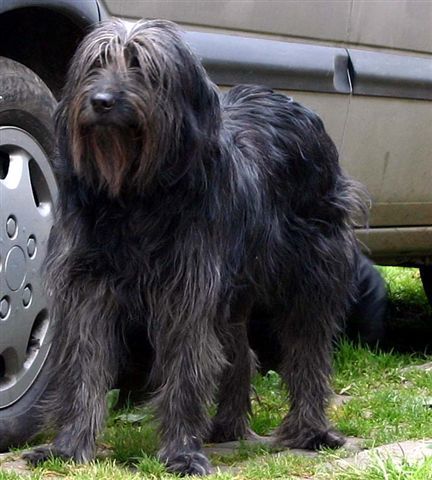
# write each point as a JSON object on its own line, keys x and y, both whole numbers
{"x": 285, "y": 155}
{"x": 290, "y": 144}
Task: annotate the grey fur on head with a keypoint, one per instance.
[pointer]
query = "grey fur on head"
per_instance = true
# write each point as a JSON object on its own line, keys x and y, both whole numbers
{"x": 181, "y": 210}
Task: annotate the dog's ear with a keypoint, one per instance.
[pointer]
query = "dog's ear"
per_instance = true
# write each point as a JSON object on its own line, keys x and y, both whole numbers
{"x": 204, "y": 97}
{"x": 199, "y": 95}
{"x": 64, "y": 164}
{"x": 61, "y": 129}
{"x": 60, "y": 118}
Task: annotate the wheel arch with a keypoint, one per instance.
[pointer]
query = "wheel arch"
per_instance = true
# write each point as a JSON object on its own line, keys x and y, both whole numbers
{"x": 56, "y": 29}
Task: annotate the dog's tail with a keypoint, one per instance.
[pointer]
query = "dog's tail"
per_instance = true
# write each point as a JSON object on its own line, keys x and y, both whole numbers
{"x": 356, "y": 199}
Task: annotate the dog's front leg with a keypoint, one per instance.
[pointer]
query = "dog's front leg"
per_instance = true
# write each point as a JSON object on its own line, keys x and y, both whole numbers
{"x": 190, "y": 361}
{"x": 83, "y": 364}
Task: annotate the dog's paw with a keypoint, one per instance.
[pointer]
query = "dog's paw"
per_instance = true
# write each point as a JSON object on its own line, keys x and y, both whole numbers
{"x": 188, "y": 463}
{"x": 311, "y": 439}
{"x": 41, "y": 454}
{"x": 331, "y": 439}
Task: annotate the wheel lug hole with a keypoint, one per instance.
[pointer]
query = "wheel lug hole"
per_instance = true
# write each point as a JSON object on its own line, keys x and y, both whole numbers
{"x": 11, "y": 226}
{"x": 27, "y": 295}
{"x": 31, "y": 246}
{"x": 4, "y": 307}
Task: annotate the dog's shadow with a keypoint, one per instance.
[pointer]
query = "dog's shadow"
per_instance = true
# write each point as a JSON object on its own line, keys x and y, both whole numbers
{"x": 408, "y": 328}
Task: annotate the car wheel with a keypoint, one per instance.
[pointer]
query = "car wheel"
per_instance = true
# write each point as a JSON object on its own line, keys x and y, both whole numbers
{"x": 27, "y": 195}
{"x": 426, "y": 278}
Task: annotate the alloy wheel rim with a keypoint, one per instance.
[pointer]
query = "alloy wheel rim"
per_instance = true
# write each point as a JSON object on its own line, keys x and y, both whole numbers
{"x": 28, "y": 194}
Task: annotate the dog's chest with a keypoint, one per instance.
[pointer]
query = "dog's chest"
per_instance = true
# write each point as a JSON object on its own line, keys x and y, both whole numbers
{"x": 133, "y": 245}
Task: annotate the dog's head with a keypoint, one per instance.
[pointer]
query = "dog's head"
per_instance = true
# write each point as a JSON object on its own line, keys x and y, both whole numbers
{"x": 136, "y": 104}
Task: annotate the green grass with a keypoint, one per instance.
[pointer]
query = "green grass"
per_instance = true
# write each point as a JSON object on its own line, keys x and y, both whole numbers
{"x": 405, "y": 287}
{"x": 269, "y": 403}
{"x": 388, "y": 404}
{"x": 284, "y": 466}
{"x": 15, "y": 476}
{"x": 130, "y": 435}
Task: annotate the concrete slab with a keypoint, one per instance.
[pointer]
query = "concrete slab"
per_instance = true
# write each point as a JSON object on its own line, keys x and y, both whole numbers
{"x": 425, "y": 367}
{"x": 13, "y": 463}
{"x": 410, "y": 450}
{"x": 353, "y": 445}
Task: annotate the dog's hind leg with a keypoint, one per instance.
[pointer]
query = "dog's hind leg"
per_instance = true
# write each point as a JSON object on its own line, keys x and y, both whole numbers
{"x": 231, "y": 421}
{"x": 83, "y": 365}
{"x": 311, "y": 320}
{"x": 306, "y": 368}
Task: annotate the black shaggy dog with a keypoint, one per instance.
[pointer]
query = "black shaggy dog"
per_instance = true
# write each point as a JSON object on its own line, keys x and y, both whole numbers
{"x": 180, "y": 210}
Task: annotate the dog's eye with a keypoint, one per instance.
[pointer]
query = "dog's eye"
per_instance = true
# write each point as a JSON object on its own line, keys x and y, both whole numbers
{"x": 97, "y": 63}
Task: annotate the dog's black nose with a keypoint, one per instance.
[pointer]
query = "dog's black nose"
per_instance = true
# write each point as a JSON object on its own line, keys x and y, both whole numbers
{"x": 102, "y": 101}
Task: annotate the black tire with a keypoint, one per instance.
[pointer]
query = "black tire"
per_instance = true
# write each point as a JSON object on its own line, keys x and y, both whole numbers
{"x": 27, "y": 104}
{"x": 20, "y": 422}
{"x": 426, "y": 278}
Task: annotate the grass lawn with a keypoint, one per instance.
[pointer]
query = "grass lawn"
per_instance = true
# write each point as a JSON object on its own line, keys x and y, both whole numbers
{"x": 388, "y": 404}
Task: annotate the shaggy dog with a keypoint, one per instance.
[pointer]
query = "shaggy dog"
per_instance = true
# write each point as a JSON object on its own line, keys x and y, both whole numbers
{"x": 180, "y": 210}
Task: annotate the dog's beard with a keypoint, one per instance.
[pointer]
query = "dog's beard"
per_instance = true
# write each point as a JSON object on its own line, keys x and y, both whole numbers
{"x": 105, "y": 155}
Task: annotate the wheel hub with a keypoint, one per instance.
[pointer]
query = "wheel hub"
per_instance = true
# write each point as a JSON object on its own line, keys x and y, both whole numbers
{"x": 15, "y": 268}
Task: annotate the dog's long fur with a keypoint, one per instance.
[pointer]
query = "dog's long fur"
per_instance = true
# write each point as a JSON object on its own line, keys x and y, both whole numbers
{"x": 181, "y": 209}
